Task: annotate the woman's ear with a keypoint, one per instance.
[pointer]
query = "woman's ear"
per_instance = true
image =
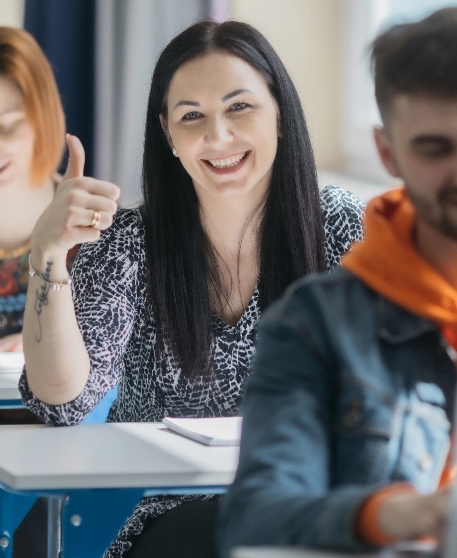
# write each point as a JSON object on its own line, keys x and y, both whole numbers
{"x": 164, "y": 124}
{"x": 386, "y": 151}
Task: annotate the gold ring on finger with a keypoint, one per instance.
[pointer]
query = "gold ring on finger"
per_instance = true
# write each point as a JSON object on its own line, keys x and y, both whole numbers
{"x": 97, "y": 217}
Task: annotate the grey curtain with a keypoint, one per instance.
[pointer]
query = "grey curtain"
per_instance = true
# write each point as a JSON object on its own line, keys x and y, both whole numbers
{"x": 129, "y": 36}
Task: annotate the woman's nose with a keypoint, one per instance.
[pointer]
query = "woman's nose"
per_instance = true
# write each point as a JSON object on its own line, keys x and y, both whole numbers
{"x": 219, "y": 131}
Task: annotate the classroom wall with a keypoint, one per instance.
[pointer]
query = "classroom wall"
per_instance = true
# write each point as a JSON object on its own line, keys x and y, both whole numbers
{"x": 12, "y": 12}
{"x": 307, "y": 34}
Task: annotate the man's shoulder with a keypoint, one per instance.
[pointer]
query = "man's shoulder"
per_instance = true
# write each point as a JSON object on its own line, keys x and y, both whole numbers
{"x": 341, "y": 303}
{"x": 325, "y": 304}
{"x": 328, "y": 290}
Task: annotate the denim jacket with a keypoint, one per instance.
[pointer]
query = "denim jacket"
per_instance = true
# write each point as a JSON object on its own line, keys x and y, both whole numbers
{"x": 349, "y": 393}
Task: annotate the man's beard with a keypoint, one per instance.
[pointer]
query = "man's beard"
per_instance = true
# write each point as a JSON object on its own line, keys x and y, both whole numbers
{"x": 436, "y": 213}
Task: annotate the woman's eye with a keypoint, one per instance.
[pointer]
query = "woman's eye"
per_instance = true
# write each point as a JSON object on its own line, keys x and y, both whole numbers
{"x": 191, "y": 115}
{"x": 239, "y": 106}
{"x": 8, "y": 128}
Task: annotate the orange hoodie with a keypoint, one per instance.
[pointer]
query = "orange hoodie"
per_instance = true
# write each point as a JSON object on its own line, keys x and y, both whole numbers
{"x": 388, "y": 262}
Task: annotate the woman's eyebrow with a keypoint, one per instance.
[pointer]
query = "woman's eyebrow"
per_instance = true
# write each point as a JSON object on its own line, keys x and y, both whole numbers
{"x": 191, "y": 103}
{"x": 234, "y": 93}
{"x": 225, "y": 98}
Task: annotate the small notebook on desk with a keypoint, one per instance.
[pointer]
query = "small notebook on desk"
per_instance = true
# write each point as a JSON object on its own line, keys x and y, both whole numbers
{"x": 219, "y": 431}
{"x": 11, "y": 362}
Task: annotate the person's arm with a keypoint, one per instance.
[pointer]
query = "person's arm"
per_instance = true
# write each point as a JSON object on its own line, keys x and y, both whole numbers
{"x": 399, "y": 513}
{"x": 57, "y": 361}
{"x": 283, "y": 493}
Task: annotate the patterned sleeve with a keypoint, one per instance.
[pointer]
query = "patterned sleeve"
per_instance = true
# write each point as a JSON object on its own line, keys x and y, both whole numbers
{"x": 342, "y": 214}
{"x": 105, "y": 293}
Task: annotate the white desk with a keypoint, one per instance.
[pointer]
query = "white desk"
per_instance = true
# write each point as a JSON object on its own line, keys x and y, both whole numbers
{"x": 86, "y": 466}
{"x": 36, "y": 457}
{"x": 403, "y": 550}
{"x": 287, "y": 552}
{"x": 10, "y": 370}
{"x": 8, "y": 387}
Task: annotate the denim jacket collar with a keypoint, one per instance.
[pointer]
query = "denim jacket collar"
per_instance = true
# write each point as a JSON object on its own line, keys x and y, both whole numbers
{"x": 397, "y": 325}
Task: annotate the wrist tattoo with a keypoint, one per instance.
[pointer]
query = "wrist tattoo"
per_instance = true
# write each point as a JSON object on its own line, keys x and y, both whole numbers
{"x": 42, "y": 298}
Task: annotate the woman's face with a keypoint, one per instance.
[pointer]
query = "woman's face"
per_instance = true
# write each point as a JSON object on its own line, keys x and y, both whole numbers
{"x": 223, "y": 123}
{"x": 16, "y": 136}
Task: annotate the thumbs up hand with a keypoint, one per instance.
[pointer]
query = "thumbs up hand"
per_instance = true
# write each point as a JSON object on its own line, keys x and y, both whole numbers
{"x": 76, "y": 158}
{"x": 81, "y": 208}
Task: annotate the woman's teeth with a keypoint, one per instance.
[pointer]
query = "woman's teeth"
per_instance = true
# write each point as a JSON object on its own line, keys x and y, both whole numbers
{"x": 227, "y": 163}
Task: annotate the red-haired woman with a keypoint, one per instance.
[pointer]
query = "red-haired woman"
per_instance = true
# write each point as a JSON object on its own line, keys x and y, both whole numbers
{"x": 32, "y": 136}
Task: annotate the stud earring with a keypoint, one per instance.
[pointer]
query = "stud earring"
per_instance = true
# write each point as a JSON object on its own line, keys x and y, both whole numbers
{"x": 174, "y": 151}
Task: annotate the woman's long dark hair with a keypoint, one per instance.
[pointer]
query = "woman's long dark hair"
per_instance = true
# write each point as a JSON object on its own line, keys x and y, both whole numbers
{"x": 180, "y": 260}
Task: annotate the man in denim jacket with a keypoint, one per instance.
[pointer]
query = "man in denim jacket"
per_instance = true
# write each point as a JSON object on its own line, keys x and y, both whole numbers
{"x": 347, "y": 418}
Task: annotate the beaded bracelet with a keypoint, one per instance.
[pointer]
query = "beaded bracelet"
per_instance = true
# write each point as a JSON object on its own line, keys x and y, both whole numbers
{"x": 52, "y": 286}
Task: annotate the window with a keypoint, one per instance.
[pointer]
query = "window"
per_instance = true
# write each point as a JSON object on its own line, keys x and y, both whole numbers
{"x": 364, "y": 19}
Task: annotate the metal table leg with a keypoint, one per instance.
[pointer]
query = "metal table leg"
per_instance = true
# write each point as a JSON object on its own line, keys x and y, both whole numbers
{"x": 54, "y": 527}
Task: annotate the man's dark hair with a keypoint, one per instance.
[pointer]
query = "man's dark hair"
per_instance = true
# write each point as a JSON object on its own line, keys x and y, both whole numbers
{"x": 417, "y": 58}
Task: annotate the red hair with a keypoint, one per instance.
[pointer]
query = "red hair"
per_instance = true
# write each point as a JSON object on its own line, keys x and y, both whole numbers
{"x": 22, "y": 59}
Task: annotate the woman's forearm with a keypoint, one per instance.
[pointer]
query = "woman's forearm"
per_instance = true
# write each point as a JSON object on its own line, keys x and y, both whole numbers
{"x": 57, "y": 362}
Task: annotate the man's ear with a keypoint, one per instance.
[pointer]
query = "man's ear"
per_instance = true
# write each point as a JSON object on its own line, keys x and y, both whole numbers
{"x": 164, "y": 124}
{"x": 386, "y": 152}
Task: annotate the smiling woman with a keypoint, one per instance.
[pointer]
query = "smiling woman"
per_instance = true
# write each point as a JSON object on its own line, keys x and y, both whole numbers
{"x": 227, "y": 143}
{"x": 167, "y": 298}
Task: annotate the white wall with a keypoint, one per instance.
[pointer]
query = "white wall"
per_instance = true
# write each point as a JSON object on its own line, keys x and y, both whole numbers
{"x": 307, "y": 35}
{"x": 12, "y": 12}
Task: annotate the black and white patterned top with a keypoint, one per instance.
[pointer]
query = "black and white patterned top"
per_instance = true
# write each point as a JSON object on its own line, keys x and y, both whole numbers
{"x": 109, "y": 289}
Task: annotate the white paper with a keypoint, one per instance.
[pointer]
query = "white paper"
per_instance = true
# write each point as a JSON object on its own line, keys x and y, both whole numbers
{"x": 219, "y": 431}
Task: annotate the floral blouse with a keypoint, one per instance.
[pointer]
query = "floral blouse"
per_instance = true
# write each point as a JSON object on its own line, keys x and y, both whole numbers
{"x": 109, "y": 288}
{"x": 14, "y": 277}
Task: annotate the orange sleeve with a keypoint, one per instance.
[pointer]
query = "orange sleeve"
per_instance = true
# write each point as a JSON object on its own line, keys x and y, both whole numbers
{"x": 367, "y": 527}
{"x": 449, "y": 472}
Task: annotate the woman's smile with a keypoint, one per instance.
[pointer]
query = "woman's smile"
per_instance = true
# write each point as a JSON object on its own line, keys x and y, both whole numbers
{"x": 227, "y": 165}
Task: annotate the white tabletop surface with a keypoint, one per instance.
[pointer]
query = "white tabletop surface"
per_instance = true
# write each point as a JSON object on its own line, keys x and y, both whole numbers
{"x": 288, "y": 552}
{"x": 8, "y": 385}
{"x": 11, "y": 364}
{"x": 34, "y": 457}
{"x": 401, "y": 551}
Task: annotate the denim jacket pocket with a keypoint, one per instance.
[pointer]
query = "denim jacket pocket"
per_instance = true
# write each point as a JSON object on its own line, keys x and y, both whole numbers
{"x": 425, "y": 440}
{"x": 364, "y": 424}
